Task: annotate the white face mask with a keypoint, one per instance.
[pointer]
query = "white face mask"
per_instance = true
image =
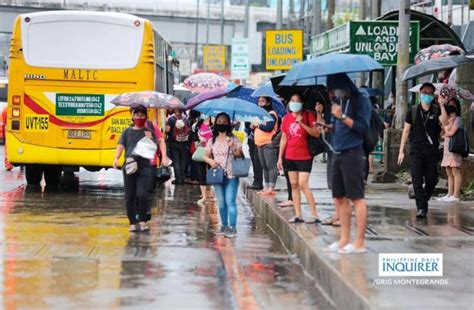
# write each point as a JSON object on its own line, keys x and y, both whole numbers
{"x": 340, "y": 93}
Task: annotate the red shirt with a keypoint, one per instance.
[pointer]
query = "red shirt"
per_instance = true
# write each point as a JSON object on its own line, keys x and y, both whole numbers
{"x": 297, "y": 137}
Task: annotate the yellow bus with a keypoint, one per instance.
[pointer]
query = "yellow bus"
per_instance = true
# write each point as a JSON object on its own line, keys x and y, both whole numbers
{"x": 65, "y": 68}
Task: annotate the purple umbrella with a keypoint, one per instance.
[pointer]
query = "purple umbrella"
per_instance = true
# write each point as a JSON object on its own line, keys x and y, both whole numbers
{"x": 212, "y": 94}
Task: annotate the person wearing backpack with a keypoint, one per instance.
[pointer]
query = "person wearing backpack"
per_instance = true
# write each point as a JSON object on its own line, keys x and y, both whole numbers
{"x": 422, "y": 128}
{"x": 178, "y": 130}
{"x": 267, "y": 152}
{"x": 351, "y": 112}
{"x": 294, "y": 155}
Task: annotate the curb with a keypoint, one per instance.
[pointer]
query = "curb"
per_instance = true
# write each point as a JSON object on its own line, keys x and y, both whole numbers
{"x": 300, "y": 241}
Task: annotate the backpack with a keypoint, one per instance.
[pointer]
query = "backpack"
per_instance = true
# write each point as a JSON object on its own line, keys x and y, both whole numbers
{"x": 375, "y": 131}
{"x": 181, "y": 134}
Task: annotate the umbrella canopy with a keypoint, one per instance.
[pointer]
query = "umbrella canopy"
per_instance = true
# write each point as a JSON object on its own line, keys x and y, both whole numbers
{"x": 436, "y": 51}
{"x": 199, "y": 98}
{"x": 372, "y": 92}
{"x": 246, "y": 93}
{"x": 237, "y": 109}
{"x": 434, "y": 65}
{"x": 309, "y": 70}
{"x": 266, "y": 90}
{"x": 150, "y": 99}
{"x": 203, "y": 82}
{"x": 447, "y": 91}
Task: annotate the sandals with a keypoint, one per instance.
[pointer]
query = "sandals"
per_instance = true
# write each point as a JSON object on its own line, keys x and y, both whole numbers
{"x": 333, "y": 248}
{"x": 133, "y": 228}
{"x": 295, "y": 220}
{"x": 143, "y": 226}
{"x": 313, "y": 220}
{"x": 350, "y": 249}
{"x": 331, "y": 221}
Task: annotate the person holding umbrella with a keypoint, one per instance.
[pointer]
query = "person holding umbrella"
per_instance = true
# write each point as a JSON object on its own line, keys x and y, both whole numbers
{"x": 294, "y": 155}
{"x": 351, "y": 111}
{"x": 139, "y": 185}
{"x": 220, "y": 151}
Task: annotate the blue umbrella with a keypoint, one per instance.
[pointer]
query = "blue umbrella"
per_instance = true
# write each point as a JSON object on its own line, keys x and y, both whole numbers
{"x": 372, "y": 92}
{"x": 247, "y": 94}
{"x": 307, "y": 72}
{"x": 237, "y": 109}
{"x": 266, "y": 90}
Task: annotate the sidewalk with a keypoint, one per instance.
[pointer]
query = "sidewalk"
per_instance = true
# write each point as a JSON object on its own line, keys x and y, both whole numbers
{"x": 352, "y": 282}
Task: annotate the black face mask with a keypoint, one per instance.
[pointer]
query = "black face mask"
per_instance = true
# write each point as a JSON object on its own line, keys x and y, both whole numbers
{"x": 267, "y": 107}
{"x": 222, "y": 127}
{"x": 450, "y": 109}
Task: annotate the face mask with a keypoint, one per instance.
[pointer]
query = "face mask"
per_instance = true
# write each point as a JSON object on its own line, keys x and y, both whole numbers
{"x": 340, "y": 93}
{"x": 139, "y": 122}
{"x": 222, "y": 127}
{"x": 426, "y": 99}
{"x": 450, "y": 109}
{"x": 295, "y": 106}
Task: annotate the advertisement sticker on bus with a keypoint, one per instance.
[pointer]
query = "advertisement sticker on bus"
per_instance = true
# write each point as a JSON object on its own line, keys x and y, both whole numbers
{"x": 119, "y": 124}
{"x": 37, "y": 122}
{"x": 79, "y": 105}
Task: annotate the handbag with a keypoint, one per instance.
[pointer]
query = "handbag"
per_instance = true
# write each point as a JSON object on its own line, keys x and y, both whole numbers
{"x": 459, "y": 143}
{"x": 217, "y": 175}
{"x": 163, "y": 174}
{"x": 131, "y": 166}
{"x": 241, "y": 167}
{"x": 316, "y": 146}
{"x": 198, "y": 154}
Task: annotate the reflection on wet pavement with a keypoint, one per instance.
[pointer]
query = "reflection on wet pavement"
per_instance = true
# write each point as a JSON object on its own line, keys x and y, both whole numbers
{"x": 73, "y": 250}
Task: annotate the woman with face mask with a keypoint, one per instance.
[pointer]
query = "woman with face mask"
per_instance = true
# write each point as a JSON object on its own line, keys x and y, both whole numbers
{"x": 220, "y": 152}
{"x": 267, "y": 153}
{"x": 294, "y": 155}
{"x": 139, "y": 186}
{"x": 451, "y": 121}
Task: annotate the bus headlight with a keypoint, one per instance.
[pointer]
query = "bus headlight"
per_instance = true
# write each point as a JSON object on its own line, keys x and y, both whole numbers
{"x": 16, "y": 112}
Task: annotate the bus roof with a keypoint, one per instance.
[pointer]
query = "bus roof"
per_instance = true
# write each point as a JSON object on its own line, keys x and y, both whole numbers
{"x": 89, "y": 15}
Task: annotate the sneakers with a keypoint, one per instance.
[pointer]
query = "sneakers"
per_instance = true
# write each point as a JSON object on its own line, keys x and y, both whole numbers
{"x": 222, "y": 231}
{"x": 231, "y": 232}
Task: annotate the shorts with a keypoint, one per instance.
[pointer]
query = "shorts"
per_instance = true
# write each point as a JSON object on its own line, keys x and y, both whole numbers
{"x": 298, "y": 165}
{"x": 348, "y": 174}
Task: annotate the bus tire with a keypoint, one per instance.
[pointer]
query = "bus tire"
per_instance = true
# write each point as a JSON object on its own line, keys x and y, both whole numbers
{"x": 52, "y": 175}
{"x": 33, "y": 174}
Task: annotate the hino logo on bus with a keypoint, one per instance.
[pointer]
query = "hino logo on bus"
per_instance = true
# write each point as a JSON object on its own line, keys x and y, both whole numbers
{"x": 35, "y": 77}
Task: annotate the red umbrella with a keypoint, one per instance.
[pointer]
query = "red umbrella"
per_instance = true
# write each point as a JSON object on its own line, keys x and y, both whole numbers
{"x": 436, "y": 51}
{"x": 203, "y": 82}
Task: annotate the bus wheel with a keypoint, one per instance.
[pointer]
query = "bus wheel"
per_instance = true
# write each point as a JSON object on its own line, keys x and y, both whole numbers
{"x": 34, "y": 174}
{"x": 69, "y": 181}
{"x": 52, "y": 174}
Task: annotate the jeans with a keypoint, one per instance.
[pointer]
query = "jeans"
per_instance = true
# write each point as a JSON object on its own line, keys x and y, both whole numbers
{"x": 179, "y": 153}
{"x": 227, "y": 199}
{"x": 268, "y": 155}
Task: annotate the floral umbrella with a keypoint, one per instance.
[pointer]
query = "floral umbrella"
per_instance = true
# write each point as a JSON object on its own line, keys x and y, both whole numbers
{"x": 203, "y": 82}
{"x": 447, "y": 91}
{"x": 436, "y": 51}
{"x": 151, "y": 99}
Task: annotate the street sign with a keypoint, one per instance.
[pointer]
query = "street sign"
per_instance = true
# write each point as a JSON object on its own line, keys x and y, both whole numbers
{"x": 330, "y": 41}
{"x": 240, "y": 66}
{"x": 379, "y": 39}
{"x": 283, "y": 48}
{"x": 213, "y": 57}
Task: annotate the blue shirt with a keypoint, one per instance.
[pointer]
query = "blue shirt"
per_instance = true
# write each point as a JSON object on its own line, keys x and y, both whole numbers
{"x": 358, "y": 108}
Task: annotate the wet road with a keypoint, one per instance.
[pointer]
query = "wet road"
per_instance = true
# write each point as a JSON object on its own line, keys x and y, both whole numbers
{"x": 73, "y": 250}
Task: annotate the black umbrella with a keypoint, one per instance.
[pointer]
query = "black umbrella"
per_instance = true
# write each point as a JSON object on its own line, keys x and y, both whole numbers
{"x": 434, "y": 65}
{"x": 311, "y": 94}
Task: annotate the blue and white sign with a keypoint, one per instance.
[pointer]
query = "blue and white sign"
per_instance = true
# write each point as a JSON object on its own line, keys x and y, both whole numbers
{"x": 240, "y": 66}
{"x": 410, "y": 265}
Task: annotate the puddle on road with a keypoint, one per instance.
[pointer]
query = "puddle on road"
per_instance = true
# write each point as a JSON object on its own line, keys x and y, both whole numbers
{"x": 73, "y": 249}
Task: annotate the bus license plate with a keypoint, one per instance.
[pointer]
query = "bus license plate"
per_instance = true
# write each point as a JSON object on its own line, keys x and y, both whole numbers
{"x": 78, "y": 134}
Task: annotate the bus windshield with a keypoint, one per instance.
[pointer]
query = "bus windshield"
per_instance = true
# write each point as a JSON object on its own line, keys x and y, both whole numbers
{"x": 83, "y": 44}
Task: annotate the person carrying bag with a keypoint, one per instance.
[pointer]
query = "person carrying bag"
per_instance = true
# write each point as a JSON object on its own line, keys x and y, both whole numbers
{"x": 220, "y": 153}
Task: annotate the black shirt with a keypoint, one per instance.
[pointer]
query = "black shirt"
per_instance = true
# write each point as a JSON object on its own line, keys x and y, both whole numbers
{"x": 424, "y": 119}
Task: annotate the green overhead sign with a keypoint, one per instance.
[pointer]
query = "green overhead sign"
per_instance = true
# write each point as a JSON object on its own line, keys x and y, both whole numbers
{"x": 377, "y": 39}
